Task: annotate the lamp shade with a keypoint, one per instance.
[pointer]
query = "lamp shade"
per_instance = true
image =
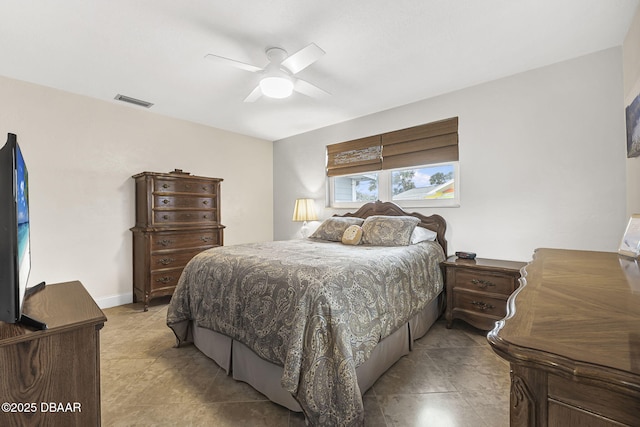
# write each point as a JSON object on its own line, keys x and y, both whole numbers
{"x": 304, "y": 210}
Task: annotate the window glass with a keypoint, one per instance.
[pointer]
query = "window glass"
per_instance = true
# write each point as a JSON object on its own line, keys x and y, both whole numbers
{"x": 424, "y": 183}
{"x": 355, "y": 188}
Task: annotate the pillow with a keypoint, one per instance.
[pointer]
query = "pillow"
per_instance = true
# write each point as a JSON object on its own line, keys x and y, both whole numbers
{"x": 352, "y": 235}
{"x": 333, "y": 228}
{"x": 421, "y": 234}
{"x": 379, "y": 230}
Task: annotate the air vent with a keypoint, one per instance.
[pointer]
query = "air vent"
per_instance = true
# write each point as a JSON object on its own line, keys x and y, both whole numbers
{"x": 134, "y": 101}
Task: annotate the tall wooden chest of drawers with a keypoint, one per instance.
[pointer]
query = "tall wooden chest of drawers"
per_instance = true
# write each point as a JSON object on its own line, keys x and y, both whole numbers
{"x": 177, "y": 216}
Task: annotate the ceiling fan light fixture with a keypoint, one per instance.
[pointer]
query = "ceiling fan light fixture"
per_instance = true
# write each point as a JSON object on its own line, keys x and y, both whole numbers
{"x": 276, "y": 87}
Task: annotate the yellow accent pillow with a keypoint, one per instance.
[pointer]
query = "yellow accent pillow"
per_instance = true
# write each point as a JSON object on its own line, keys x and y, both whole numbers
{"x": 352, "y": 235}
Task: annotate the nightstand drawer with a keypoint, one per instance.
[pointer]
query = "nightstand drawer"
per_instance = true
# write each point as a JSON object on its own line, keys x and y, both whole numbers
{"x": 485, "y": 282}
{"x": 479, "y": 303}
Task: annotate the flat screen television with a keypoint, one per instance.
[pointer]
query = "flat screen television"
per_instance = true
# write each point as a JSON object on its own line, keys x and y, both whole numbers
{"x": 15, "y": 251}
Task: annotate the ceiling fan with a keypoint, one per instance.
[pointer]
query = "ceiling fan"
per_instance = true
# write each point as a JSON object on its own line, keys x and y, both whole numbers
{"x": 278, "y": 77}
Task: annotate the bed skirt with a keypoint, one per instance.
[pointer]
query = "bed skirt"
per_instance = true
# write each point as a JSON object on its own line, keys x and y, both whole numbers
{"x": 244, "y": 365}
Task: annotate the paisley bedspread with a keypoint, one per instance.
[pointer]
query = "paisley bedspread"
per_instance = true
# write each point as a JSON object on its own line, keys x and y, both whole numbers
{"x": 317, "y": 308}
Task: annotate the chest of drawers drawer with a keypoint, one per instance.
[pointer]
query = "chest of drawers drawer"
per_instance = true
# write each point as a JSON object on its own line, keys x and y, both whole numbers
{"x": 184, "y": 217}
{"x": 191, "y": 202}
{"x": 163, "y": 241}
{"x": 174, "y": 259}
{"x": 171, "y": 185}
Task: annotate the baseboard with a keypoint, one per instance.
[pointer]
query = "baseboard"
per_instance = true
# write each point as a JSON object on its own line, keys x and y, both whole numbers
{"x": 115, "y": 300}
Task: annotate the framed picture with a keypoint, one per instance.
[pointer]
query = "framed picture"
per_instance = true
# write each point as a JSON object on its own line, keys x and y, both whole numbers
{"x": 633, "y": 128}
{"x": 630, "y": 244}
{"x": 632, "y": 113}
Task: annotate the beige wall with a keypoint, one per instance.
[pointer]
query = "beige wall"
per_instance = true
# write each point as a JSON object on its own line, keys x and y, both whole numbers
{"x": 631, "y": 71}
{"x": 81, "y": 154}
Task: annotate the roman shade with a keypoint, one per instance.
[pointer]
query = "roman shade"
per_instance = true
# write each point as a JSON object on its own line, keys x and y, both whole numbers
{"x": 359, "y": 155}
{"x": 434, "y": 142}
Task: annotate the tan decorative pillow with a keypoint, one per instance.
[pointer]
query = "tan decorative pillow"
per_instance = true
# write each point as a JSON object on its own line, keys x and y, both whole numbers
{"x": 352, "y": 235}
{"x": 380, "y": 230}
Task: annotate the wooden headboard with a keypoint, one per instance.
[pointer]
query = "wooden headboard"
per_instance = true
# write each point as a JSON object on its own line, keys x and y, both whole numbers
{"x": 433, "y": 222}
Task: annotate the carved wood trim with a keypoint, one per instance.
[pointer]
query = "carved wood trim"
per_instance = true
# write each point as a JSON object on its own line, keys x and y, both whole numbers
{"x": 523, "y": 403}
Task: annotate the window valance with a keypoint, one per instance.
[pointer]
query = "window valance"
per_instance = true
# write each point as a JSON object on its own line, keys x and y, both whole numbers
{"x": 434, "y": 142}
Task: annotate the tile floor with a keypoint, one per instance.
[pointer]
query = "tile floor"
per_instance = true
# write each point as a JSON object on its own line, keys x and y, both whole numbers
{"x": 452, "y": 378}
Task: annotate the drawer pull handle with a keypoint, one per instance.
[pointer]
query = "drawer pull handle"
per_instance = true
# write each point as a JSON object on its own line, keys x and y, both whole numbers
{"x": 166, "y": 201}
{"x": 483, "y": 284}
{"x": 205, "y": 202}
{"x": 165, "y": 242}
{"x": 204, "y": 187}
{"x": 165, "y": 216}
{"x": 205, "y": 216}
{"x": 165, "y": 279}
{"x": 165, "y": 185}
{"x": 166, "y": 261}
{"x": 482, "y": 305}
{"x": 187, "y": 186}
{"x": 206, "y": 238}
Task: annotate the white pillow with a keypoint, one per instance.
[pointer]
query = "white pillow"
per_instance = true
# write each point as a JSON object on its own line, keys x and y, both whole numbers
{"x": 421, "y": 234}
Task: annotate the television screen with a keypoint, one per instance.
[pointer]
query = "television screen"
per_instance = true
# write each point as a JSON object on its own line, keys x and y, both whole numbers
{"x": 22, "y": 211}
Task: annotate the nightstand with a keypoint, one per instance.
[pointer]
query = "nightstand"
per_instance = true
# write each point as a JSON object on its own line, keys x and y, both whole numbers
{"x": 477, "y": 290}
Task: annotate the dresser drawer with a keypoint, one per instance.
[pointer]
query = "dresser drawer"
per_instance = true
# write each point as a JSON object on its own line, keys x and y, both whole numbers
{"x": 484, "y": 281}
{"x": 184, "y": 186}
{"x": 165, "y": 217}
{"x": 184, "y": 240}
{"x": 194, "y": 202}
{"x": 480, "y": 303}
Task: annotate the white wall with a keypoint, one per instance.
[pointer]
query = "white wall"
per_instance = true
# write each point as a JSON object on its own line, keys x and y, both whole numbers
{"x": 542, "y": 160}
{"x": 631, "y": 68}
{"x": 81, "y": 154}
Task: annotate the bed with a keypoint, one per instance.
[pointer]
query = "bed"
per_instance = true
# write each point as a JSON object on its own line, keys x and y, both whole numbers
{"x": 312, "y": 323}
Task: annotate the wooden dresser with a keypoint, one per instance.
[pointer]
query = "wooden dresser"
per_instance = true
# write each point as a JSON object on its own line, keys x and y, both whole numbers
{"x": 572, "y": 337}
{"x": 478, "y": 289}
{"x": 52, "y": 377}
{"x": 177, "y": 216}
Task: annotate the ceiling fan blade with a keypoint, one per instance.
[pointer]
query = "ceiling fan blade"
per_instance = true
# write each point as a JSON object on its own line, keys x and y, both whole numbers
{"x": 233, "y": 63}
{"x": 308, "y": 89}
{"x": 303, "y": 58}
{"x": 254, "y": 95}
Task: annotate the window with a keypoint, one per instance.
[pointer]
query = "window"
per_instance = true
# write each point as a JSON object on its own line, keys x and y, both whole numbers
{"x": 421, "y": 186}
{"x": 416, "y": 166}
